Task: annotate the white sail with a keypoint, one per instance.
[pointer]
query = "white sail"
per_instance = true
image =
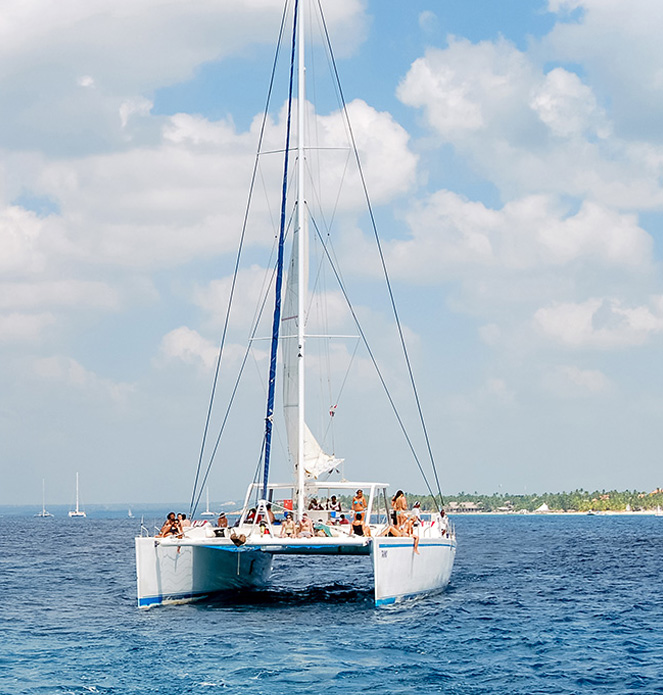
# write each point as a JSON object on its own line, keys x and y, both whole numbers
{"x": 315, "y": 460}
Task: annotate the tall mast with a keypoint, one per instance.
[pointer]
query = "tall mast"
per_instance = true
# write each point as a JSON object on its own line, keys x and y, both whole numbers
{"x": 76, "y": 493}
{"x": 302, "y": 239}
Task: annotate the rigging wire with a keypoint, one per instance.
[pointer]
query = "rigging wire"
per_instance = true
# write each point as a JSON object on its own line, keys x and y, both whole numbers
{"x": 377, "y": 368}
{"x": 224, "y": 334}
{"x": 383, "y": 263}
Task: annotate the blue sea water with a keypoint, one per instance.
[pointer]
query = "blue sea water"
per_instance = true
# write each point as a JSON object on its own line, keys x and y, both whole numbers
{"x": 554, "y": 605}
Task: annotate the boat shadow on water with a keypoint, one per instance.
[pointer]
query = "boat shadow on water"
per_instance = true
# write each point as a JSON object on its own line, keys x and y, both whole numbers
{"x": 281, "y": 597}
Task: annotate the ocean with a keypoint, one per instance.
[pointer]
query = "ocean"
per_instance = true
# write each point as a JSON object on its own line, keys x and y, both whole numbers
{"x": 536, "y": 604}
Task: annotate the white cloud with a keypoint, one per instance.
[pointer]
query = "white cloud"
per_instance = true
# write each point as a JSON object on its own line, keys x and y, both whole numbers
{"x": 529, "y": 131}
{"x": 189, "y": 346}
{"x": 570, "y": 381}
{"x": 497, "y": 389}
{"x": 71, "y": 373}
{"x": 428, "y": 21}
{"x": 452, "y": 236}
{"x": 66, "y": 293}
{"x": 22, "y": 327}
{"x": 85, "y": 81}
{"x": 19, "y": 241}
{"x": 567, "y": 106}
{"x": 600, "y": 323}
{"x": 614, "y": 42}
{"x": 139, "y": 106}
{"x": 128, "y": 50}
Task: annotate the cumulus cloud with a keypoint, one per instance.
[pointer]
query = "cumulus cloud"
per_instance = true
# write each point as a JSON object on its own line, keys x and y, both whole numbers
{"x": 567, "y": 106}
{"x": 451, "y": 235}
{"x": 17, "y": 327}
{"x": 64, "y": 293}
{"x": 19, "y": 241}
{"x": 69, "y": 372}
{"x": 528, "y": 130}
{"x": 614, "y": 41}
{"x": 189, "y": 346}
{"x": 129, "y": 50}
{"x": 600, "y": 323}
{"x": 571, "y": 381}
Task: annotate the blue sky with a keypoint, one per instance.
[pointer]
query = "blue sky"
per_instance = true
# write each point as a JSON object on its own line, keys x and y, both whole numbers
{"x": 514, "y": 156}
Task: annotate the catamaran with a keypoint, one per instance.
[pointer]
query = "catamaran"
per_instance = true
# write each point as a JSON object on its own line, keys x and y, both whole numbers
{"x": 43, "y": 513}
{"x": 206, "y": 559}
{"x": 77, "y": 513}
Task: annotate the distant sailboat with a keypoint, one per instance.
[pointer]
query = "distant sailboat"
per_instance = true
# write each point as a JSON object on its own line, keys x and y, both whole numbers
{"x": 659, "y": 511}
{"x": 78, "y": 512}
{"x": 43, "y": 513}
{"x": 207, "y": 511}
{"x": 130, "y": 513}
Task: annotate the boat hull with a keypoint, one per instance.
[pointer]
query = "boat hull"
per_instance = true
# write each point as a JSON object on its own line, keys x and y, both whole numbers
{"x": 169, "y": 573}
{"x": 401, "y": 573}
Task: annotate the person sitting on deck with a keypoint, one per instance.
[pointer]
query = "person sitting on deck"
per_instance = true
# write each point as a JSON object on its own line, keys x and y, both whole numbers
{"x": 171, "y": 527}
{"x": 288, "y": 526}
{"x": 392, "y": 531}
{"x": 334, "y": 505}
{"x": 222, "y": 521}
{"x": 343, "y": 520}
{"x": 270, "y": 513}
{"x": 314, "y": 505}
{"x": 411, "y": 528}
{"x": 184, "y": 522}
{"x": 321, "y": 529}
{"x": 359, "y": 528}
{"x": 305, "y": 527}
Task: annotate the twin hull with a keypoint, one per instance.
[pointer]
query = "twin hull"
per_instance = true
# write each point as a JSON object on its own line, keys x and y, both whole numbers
{"x": 174, "y": 572}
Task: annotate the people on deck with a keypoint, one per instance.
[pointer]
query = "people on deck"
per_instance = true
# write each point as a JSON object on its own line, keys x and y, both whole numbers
{"x": 399, "y": 508}
{"x": 270, "y": 513}
{"x": 411, "y": 528}
{"x": 171, "y": 526}
{"x": 359, "y": 527}
{"x": 305, "y": 527}
{"x": 222, "y": 521}
{"x": 184, "y": 522}
{"x": 359, "y": 502}
{"x": 288, "y": 529}
{"x": 343, "y": 520}
{"x": 333, "y": 505}
{"x": 314, "y": 505}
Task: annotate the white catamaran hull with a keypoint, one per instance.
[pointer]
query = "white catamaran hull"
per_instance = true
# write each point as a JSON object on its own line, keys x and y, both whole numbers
{"x": 401, "y": 573}
{"x": 169, "y": 573}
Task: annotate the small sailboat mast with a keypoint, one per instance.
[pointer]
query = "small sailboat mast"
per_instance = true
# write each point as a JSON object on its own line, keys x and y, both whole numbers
{"x": 43, "y": 513}
{"x": 78, "y": 512}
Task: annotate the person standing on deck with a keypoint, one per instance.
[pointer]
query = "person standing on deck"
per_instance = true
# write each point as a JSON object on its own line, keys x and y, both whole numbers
{"x": 399, "y": 507}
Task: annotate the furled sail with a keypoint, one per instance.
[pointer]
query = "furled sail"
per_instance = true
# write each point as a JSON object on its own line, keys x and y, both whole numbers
{"x": 315, "y": 460}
